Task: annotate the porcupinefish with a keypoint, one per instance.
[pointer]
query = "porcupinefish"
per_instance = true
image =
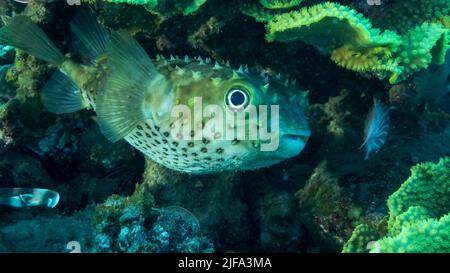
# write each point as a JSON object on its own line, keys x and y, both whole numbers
{"x": 134, "y": 97}
{"x": 28, "y": 197}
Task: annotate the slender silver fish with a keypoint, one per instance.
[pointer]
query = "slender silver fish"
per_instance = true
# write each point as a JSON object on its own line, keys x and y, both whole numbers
{"x": 28, "y": 197}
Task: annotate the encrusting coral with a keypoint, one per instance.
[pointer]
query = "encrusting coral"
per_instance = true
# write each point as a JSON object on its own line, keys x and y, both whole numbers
{"x": 134, "y": 224}
{"x": 419, "y": 219}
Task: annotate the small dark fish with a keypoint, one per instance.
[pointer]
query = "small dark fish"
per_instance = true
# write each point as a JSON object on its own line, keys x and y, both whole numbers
{"x": 28, "y": 197}
{"x": 376, "y": 130}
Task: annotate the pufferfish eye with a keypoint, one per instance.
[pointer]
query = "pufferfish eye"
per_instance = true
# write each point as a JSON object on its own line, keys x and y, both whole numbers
{"x": 237, "y": 99}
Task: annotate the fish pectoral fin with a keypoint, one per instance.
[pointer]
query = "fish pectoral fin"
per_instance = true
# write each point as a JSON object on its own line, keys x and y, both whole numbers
{"x": 61, "y": 95}
{"x": 121, "y": 104}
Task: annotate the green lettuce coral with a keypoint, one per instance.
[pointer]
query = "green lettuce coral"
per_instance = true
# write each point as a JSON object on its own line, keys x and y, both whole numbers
{"x": 258, "y": 12}
{"x": 266, "y": 10}
{"x": 280, "y": 4}
{"x": 419, "y": 218}
{"x": 328, "y": 26}
{"x": 166, "y": 7}
{"x": 342, "y": 32}
{"x": 354, "y": 43}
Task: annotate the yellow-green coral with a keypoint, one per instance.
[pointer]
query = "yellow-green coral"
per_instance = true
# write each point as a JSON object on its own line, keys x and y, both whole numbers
{"x": 423, "y": 236}
{"x": 280, "y": 4}
{"x": 342, "y": 32}
{"x": 412, "y": 215}
{"x": 360, "y": 239}
{"x": 427, "y": 187}
{"x": 328, "y": 26}
{"x": 376, "y": 59}
{"x": 259, "y": 13}
{"x": 355, "y": 44}
{"x": 422, "y": 45}
{"x": 166, "y": 6}
{"x": 419, "y": 218}
{"x": 266, "y": 10}
{"x": 402, "y": 15}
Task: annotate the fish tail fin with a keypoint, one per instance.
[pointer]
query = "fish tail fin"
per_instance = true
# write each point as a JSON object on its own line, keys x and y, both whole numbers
{"x": 23, "y": 34}
{"x": 61, "y": 95}
{"x": 90, "y": 37}
{"x": 121, "y": 105}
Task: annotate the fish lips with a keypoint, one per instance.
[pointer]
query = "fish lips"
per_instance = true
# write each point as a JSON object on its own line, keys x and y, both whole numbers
{"x": 291, "y": 144}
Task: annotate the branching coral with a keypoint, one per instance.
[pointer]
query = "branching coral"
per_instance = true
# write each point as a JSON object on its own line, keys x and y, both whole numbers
{"x": 421, "y": 46}
{"x": 360, "y": 239}
{"x": 401, "y": 15}
{"x": 421, "y": 235}
{"x": 419, "y": 219}
{"x": 427, "y": 187}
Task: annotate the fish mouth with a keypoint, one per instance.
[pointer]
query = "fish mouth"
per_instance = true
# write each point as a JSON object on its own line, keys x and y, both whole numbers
{"x": 296, "y": 137}
{"x": 291, "y": 144}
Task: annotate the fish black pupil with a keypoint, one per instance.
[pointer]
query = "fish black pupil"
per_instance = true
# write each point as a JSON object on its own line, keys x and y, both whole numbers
{"x": 237, "y": 98}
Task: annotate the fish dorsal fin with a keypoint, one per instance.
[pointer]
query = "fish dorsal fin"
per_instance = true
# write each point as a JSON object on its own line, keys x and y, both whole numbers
{"x": 121, "y": 105}
{"x": 90, "y": 37}
{"x": 61, "y": 95}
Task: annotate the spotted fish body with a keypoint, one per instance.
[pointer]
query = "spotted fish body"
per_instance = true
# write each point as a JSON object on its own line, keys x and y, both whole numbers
{"x": 134, "y": 96}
